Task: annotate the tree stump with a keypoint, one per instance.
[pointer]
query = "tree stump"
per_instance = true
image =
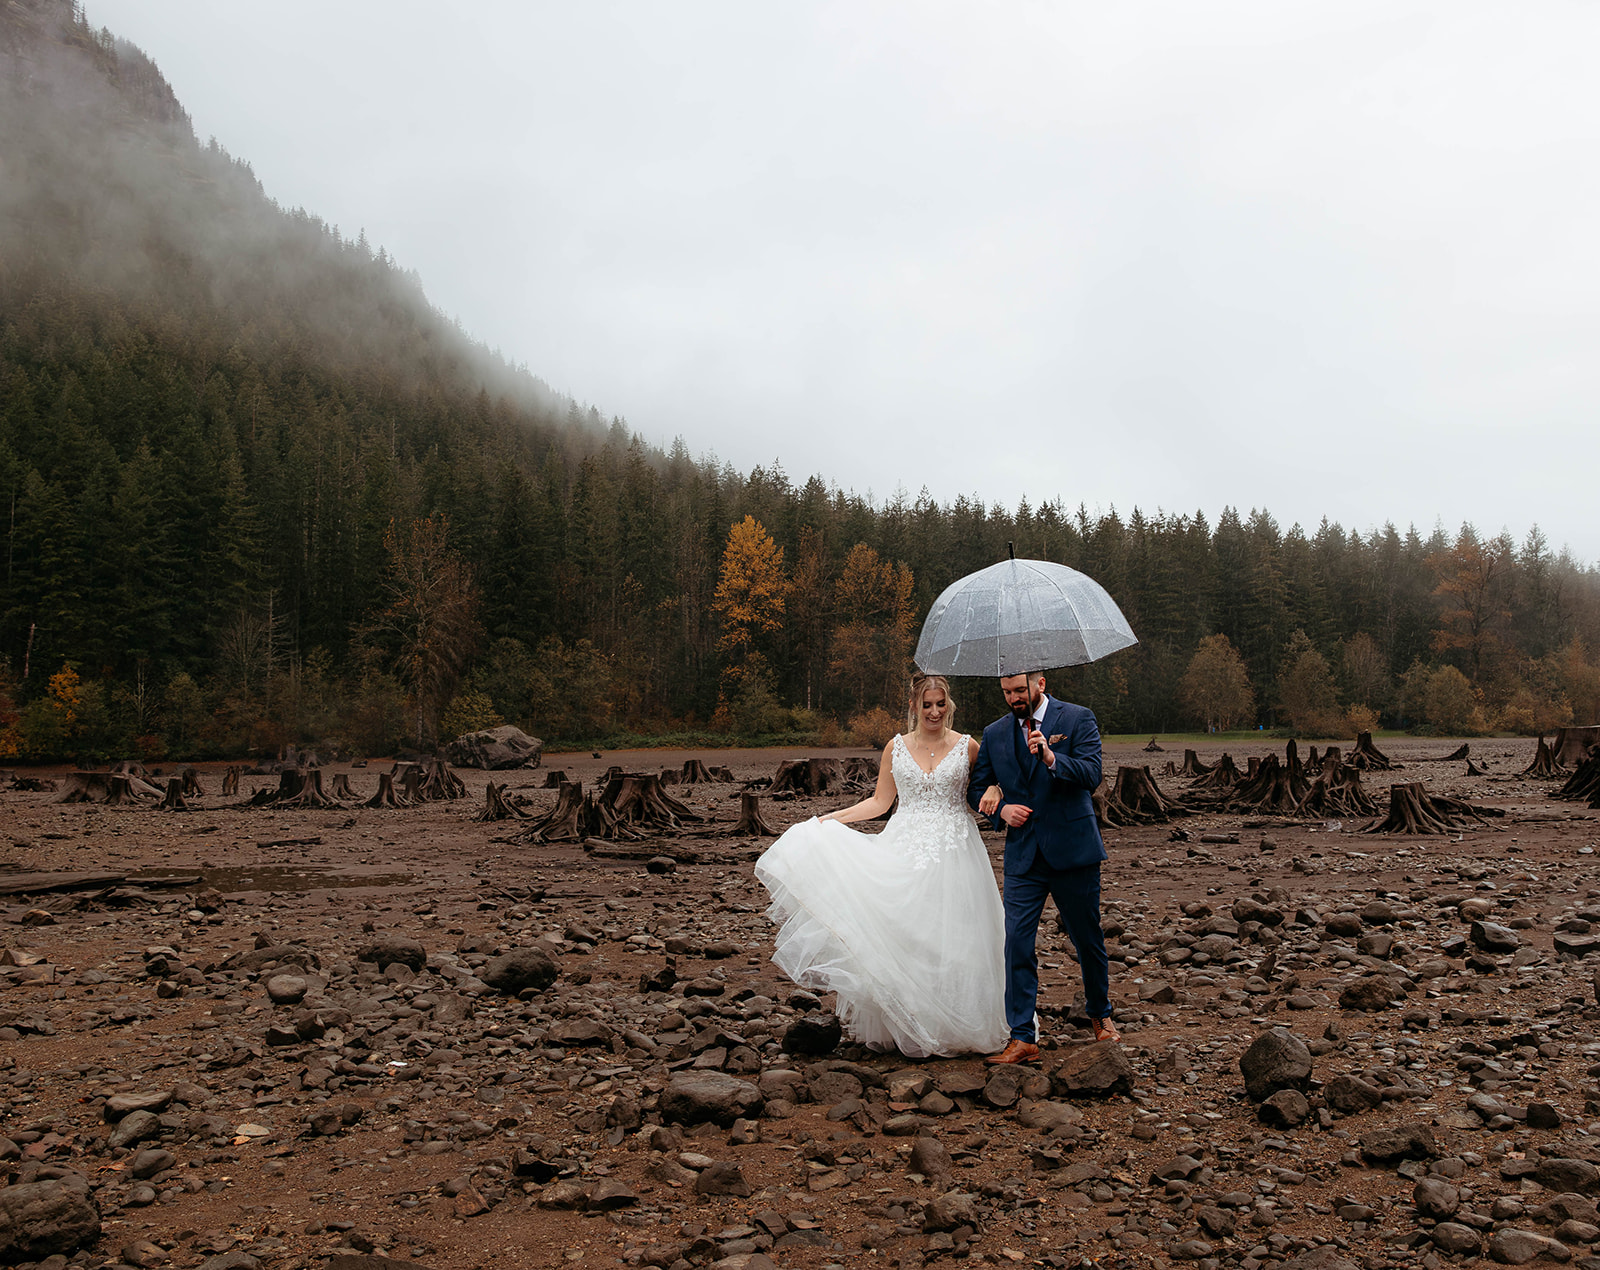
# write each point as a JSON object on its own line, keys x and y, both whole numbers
{"x": 1412, "y": 810}
{"x": 750, "y": 822}
{"x": 1214, "y": 787}
{"x": 1544, "y": 765}
{"x": 1152, "y": 747}
{"x": 126, "y": 788}
{"x": 563, "y": 822}
{"x": 386, "y": 795}
{"x": 723, "y": 775}
{"x": 1460, "y": 753}
{"x": 1368, "y": 757}
{"x": 310, "y": 792}
{"x": 173, "y": 799}
{"x": 1336, "y": 791}
{"x": 861, "y": 771}
{"x": 638, "y": 801}
{"x": 230, "y": 780}
{"x": 191, "y": 783}
{"x": 1275, "y": 788}
{"x": 83, "y": 787}
{"x": 341, "y": 787}
{"x": 1582, "y": 785}
{"x": 496, "y": 806}
{"x": 1192, "y": 766}
{"x": 1169, "y": 768}
{"x": 1134, "y": 798}
{"x": 696, "y": 773}
{"x": 1474, "y": 770}
{"x": 1573, "y": 745}
{"x": 1312, "y": 760}
{"x": 1333, "y": 757}
{"x": 1251, "y": 767}
{"x": 556, "y": 779}
{"x": 808, "y": 776}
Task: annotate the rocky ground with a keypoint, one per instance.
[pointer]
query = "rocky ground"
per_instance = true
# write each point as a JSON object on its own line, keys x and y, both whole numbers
{"x": 360, "y": 1037}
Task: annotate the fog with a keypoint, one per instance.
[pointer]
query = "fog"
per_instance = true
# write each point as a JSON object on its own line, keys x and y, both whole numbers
{"x": 1333, "y": 260}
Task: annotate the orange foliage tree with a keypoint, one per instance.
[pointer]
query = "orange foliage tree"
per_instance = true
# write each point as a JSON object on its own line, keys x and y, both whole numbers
{"x": 1472, "y": 578}
{"x": 752, "y": 589}
{"x": 429, "y": 622}
{"x": 871, "y": 650}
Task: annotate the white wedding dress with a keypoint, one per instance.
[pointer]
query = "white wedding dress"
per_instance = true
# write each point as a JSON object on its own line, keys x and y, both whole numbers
{"x": 904, "y": 925}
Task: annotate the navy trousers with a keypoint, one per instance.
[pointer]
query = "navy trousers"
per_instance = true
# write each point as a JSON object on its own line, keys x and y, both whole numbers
{"x": 1077, "y": 895}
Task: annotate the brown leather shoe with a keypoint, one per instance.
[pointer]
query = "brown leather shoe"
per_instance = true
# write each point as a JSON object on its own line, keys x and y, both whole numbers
{"x": 1106, "y": 1030}
{"x": 1015, "y": 1052}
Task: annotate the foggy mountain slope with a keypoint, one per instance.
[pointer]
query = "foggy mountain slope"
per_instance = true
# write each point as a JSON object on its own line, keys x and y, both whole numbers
{"x": 104, "y": 189}
{"x": 210, "y": 404}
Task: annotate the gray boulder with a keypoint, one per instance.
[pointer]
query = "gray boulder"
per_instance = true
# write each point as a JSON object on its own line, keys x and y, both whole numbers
{"x": 1275, "y": 1060}
{"x": 496, "y": 749}
{"x": 520, "y": 969}
{"x": 389, "y": 949}
{"x": 44, "y": 1219}
{"x": 1097, "y": 1070}
{"x": 715, "y": 1097}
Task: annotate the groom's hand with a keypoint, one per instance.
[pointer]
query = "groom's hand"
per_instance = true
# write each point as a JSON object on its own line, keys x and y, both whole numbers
{"x": 1041, "y": 747}
{"x": 990, "y": 802}
{"x": 1015, "y": 815}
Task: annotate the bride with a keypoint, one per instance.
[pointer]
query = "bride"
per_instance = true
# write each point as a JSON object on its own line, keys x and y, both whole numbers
{"x": 905, "y": 926}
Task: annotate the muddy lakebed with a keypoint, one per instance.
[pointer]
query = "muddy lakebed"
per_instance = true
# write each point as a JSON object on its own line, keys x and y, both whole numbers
{"x": 264, "y": 1036}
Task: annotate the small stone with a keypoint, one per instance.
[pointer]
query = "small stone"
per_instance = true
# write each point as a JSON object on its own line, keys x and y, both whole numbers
{"x": 813, "y": 1034}
{"x": 1492, "y": 938}
{"x": 1277, "y": 1059}
{"x": 287, "y": 989}
{"x": 1284, "y": 1109}
{"x": 1513, "y": 1247}
{"x": 1098, "y": 1070}
{"x": 723, "y": 1177}
{"x": 709, "y": 1096}
{"x": 1413, "y": 1141}
{"x": 930, "y": 1159}
{"x": 521, "y": 969}
{"x": 1350, "y": 1095}
{"x": 1455, "y": 1239}
{"x": 390, "y": 949}
{"x": 136, "y": 1126}
{"x": 1435, "y": 1198}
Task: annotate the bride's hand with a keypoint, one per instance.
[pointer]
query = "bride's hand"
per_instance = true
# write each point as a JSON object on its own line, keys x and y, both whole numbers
{"x": 990, "y": 802}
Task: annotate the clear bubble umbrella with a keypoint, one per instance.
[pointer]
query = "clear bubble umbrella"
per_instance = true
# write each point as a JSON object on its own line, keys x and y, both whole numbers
{"x": 1020, "y": 616}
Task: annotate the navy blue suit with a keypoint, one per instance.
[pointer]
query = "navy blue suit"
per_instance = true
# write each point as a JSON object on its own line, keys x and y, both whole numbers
{"x": 1057, "y": 853}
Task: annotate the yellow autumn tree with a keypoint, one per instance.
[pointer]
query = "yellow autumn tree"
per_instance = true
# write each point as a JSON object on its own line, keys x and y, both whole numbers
{"x": 752, "y": 590}
{"x": 871, "y": 654}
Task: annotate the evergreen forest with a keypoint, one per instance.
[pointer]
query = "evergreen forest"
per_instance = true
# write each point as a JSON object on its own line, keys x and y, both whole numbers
{"x": 258, "y": 492}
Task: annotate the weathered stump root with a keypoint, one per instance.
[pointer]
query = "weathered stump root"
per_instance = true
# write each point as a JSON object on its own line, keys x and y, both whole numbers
{"x": 1413, "y": 810}
{"x": 1134, "y": 798}
{"x": 386, "y": 795}
{"x": 751, "y": 823}
{"x": 1544, "y": 765}
{"x": 1368, "y": 757}
{"x": 496, "y": 806}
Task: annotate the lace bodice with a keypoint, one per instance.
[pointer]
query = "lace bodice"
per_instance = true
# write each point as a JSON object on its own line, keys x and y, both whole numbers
{"x": 932, "y": 817}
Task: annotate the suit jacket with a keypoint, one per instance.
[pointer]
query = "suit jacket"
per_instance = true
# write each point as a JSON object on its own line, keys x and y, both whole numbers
{"x": 1063, "y": 829}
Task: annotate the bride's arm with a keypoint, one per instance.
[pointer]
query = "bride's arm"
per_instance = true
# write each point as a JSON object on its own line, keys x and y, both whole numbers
{"x": 990, "y": 802}
{"x": 882, "y": 798}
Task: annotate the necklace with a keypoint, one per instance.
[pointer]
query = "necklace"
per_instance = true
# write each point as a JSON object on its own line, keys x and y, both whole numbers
{"x": 933, "y": 753}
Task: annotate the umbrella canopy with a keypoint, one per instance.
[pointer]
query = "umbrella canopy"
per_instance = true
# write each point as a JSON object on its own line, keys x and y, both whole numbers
{"x": 1019, "y": 616}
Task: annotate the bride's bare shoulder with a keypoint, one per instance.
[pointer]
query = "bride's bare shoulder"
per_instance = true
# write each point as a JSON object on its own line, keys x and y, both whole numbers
{"x": 972, "y": 749}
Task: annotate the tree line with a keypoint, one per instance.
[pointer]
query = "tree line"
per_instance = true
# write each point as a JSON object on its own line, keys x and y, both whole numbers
{"x": 256, "y": 490}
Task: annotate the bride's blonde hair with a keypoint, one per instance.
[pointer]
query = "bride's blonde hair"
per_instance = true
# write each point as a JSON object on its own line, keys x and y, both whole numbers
{"x": 921, "y": 683}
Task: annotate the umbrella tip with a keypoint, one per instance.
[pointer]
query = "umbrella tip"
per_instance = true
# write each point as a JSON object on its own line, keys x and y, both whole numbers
{"x": 1011, "y": 548}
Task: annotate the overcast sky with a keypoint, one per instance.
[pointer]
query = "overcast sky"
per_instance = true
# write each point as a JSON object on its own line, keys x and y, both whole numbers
{"x": 1333, "y": 259}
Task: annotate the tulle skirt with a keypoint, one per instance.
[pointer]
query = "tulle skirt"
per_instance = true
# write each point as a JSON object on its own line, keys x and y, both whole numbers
{"x": 913, "y": 947}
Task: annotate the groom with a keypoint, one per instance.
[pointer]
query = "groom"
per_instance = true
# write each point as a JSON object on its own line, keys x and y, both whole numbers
{"x": 1044, "y": 759}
